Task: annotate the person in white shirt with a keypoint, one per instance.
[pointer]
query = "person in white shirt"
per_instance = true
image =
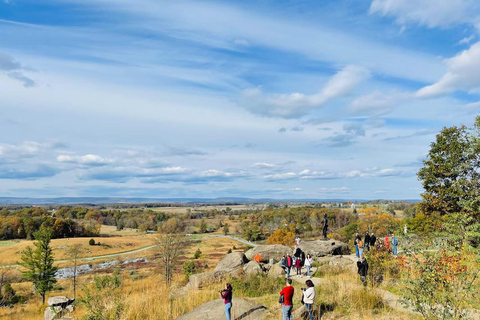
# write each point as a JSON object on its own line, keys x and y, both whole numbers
{"x": 297, "y": 239}
{"x": 309, "y": 297}
{"x": 308, "y": 264}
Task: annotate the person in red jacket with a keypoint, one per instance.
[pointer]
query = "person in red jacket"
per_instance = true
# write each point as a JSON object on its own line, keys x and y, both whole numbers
{"x": 287, "y": 305}
{"x": 298, "y": 265}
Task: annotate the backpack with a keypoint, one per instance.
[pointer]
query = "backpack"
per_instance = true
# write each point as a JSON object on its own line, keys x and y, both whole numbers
{"x": 281, "y": 299}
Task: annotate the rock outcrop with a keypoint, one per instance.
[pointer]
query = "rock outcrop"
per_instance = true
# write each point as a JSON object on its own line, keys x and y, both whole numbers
{"x": 198, "y": 280}
{"x": 276, "y": 271}
{"x": 253, "y": 268}
{"x": 58, "y": 307}
{"x": 321, "y": 248}
{"x": 343, "y": 262}
{"x": 231, "y": 262}
{"x": 266, "y": 252}
{"x": 213, "y": 310}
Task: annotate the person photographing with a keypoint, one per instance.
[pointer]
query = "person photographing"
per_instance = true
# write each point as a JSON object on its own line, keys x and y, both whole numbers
{"x": 227, "y": 299}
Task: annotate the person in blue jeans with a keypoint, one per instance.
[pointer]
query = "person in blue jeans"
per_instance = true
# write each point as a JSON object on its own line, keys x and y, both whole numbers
{"x": 287, "y": 305}
{"x": 309, "y": 297}
{"x": 357, "y": 237}
{"x": 227, "y": 299}
{"x": 394, "y": 244}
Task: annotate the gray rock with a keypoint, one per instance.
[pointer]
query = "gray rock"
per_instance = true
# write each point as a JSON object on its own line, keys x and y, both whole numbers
{"x": 52, "y": 313}
{"x": 321, "y": 248}
{"x": 214, "y": 310}
{"x": 231, "y": 262}
{"x": 267, "y": 252}
{"x": 276, "y": 271}
{"x": 342, "y": 261}
{"x": 252, "y": 268}
{"x": 58, "y": 300}
{"x": 198, "y": 280}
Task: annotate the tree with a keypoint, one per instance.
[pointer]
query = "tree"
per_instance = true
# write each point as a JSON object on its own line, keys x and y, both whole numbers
{"x": 450, "y": 175}
{"x": 171, "y": 242}
{"x": 282, "y": 236}
{"x": 203, "y": 226}
{"x": 103, "y": 299}
{"x": 226, "y": 229}
{"x": 39, "y": 263}
{"x": 74, "y": 252}
{"x": 188, "y": 269}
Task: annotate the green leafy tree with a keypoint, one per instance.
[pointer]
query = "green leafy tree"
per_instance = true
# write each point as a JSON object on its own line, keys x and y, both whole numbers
{"x": 197, "y": 254}
{"x": 103, "y": 299}
{"x": 450, "y": 175}
{"x": 188, "y": 269}
{"x": 39, "y": 263}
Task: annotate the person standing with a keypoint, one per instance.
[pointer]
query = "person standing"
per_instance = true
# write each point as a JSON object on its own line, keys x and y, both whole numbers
{"x": 373, "y": 239}
{"x": 387, "y": 244}
{"x": 309, "y": 297}
{"x": 287, "y": 304}
{"x": 308, "y": 264}
{"x": 362, "y": 266}
{"x": 289, "y": 264}
{"x": 297, "y": 240}
{"x": 394, "y": 244}
{"x": 360, "y": 248}
{"x": 227, "y": 299}
{"x": 298, "y": 265}
{"x": 366, "y": 241}
{"x": 357, "y": 237}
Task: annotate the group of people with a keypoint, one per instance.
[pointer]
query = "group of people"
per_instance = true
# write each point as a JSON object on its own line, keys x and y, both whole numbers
{"x": 370, "y": 241}
{"x": 286, "y": 299}
{"x": 298, "y": 260}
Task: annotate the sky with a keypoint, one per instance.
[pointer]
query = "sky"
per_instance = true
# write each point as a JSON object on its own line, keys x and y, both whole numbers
{"x": 282, "y": 99}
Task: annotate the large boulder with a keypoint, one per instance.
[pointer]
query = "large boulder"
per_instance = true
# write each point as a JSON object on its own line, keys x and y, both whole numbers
{"x": 343, "y": 262}
{"x": 57, "y": 307}
{"x": 252, "y": 268}
{"x": 267, "y": 252}
{"x": 231, "y": 262}
{"x": 215, "y": 310}
{"x": 321, "y": 248}
{"x": 276, "y": 271}
{"x": 198, "y": 280}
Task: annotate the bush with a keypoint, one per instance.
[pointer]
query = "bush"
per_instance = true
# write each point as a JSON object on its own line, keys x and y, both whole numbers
{"x": 188, "y": 269}
{"x": 282, "y": 236}
{"x": 381, "y": 263}
{"x": 247, "y": 248}
{"x": 91, "y": 242}
{"x": 256, "y": 286}
{"x": 234, "y": 248}
{"x": 197, "y": 254}
{"x": 229, "y": 251}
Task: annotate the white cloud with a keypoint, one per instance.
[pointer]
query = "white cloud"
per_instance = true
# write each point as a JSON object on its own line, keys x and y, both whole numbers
{"x": 430, "y": 13}
{"x": 264, "y": 165}
{"x": 281, "y": 176}
{"x": 295, "y": 105}
{"x": 463, "y": 73}
{"x": 88, "y": 160}
{"x": 377, "y": 103}
{"x": 28, "y": 149}
{"x": 467, "y": 40}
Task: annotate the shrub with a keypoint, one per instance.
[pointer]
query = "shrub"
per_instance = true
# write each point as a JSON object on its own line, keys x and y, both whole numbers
{"x": 197, "y": 254}
{"x": 381, "y": 262}
{"x": 188, "y": 269}
{"x": 256, "y": 286}
{"x": 91, "y": 242}
{"x": 234, "y": 248}
{"x": 229, "y": 251}
{"x": 247, "y": 248}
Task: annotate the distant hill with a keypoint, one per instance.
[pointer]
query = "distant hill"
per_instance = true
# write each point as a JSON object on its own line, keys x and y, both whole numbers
{"x": 118, "y": 200}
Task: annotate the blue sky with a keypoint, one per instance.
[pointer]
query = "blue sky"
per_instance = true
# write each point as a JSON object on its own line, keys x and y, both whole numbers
{"x": 280, "y": 99}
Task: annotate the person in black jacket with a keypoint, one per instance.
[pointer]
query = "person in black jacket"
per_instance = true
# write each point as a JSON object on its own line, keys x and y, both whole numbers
{"x": 366, "y": 241}
{"x": 362, "y": 266}
{"x": 373, "y": 239}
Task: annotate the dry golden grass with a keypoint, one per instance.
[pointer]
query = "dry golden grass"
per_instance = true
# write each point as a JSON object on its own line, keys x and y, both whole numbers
{"x": 11, "y": 253}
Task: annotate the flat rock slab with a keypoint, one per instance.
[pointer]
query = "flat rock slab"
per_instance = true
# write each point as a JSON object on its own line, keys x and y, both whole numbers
{"x": 267, "y": 252}
{"x": 58, "y": 300}
{"x": 321, "y": 248}
{"x": 215, "y": 310}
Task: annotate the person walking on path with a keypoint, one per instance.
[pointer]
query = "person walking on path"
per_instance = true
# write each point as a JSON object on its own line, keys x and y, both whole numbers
{"x": 298, "y": 265}
{"x": 289, "y": 264}
{"x": 366, "y": 241}
{"x": 227, "y": 299}
{"x": 362, "y": 266}
{"x": 287, "y": 304}
{"x": 357, "y": 237}
{"x": 308, "y": 264}
{"x": 373, "y": 239}
{"x": 309, "y": 297}
{"x": 297, "y": 240}
{"x": 394, "y": 244}
{"x": 360, "y": 248}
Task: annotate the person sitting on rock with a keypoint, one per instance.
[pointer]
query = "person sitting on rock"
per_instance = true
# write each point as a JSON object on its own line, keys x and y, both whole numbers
{"x": 227, "y": 299}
